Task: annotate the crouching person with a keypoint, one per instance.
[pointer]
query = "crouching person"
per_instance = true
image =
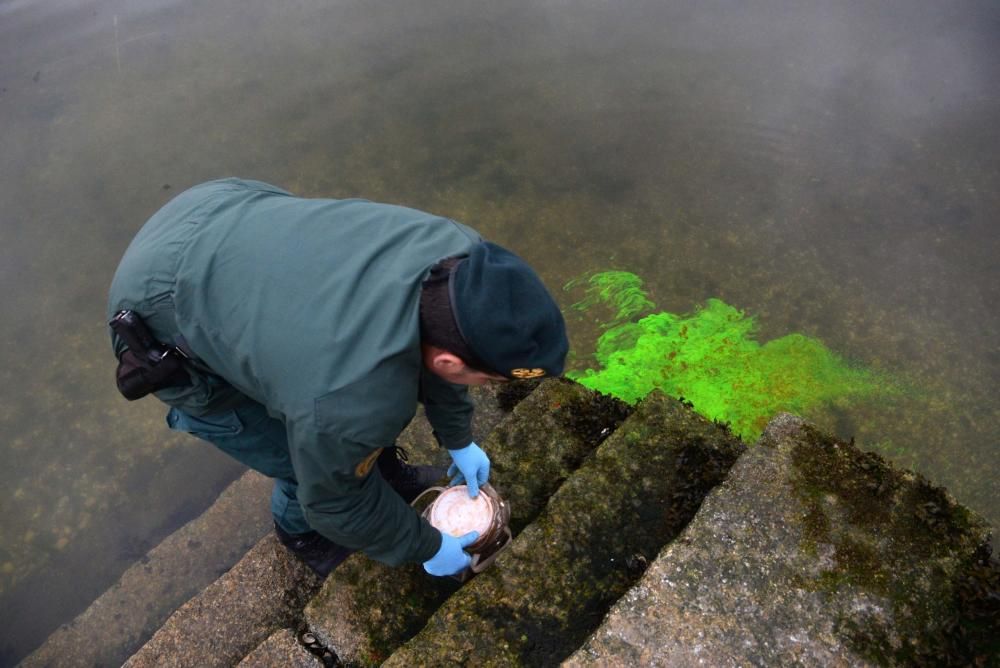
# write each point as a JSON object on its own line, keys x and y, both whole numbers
{"x": 298, "y": 335}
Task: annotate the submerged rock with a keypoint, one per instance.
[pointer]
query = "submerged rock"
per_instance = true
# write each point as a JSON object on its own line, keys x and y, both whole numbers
{"x": 813, "y": 553}
{"x": 545, "y": 595}
{"x": 366, "y": 609}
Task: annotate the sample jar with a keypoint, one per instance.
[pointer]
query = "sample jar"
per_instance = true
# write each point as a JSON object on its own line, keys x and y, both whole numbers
{"x": 455, "y": 513}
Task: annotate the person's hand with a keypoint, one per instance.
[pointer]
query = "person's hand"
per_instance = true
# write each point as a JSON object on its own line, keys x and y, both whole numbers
{"x": 472, "y": 467}
{"x": 451, "y": 557}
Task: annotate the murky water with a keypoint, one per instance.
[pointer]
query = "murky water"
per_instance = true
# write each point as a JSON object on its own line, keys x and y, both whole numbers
{"x": 831, "y": 168}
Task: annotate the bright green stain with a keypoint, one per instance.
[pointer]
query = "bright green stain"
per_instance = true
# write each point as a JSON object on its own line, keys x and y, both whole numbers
{"x": 712, "y": 359}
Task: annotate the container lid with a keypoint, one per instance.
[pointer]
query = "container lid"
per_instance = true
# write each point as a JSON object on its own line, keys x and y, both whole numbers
{"x": 454, "y": 513}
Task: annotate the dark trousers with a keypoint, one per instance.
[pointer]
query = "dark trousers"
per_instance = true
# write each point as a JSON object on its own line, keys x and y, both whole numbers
{"x": 251, "y": 436}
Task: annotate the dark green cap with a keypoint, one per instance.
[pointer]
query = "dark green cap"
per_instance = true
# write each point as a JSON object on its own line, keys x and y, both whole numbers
{"x": 506, "y": 315}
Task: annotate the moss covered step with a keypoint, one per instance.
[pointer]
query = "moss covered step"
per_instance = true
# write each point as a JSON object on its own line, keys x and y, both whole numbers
{"x": 366, "y": 610}
{"x": 550, "y": 590}
{"x": 813, "y": 553}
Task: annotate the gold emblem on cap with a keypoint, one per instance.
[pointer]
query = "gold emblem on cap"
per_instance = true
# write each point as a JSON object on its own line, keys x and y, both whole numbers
{"x": 364, "y": 467}
{"x": 528, "y": 373}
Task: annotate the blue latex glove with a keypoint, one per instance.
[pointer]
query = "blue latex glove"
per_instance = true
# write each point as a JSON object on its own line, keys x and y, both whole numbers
{"x": 451, "y": 557}
{"x": 472, "y": 466}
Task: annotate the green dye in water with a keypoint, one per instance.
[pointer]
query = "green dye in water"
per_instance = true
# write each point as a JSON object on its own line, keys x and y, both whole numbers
{"x": 620, "y": 290}
{"x": 712, "y": 359}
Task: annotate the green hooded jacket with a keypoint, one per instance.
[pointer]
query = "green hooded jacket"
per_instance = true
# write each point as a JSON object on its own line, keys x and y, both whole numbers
{"x": 310, "y": 307}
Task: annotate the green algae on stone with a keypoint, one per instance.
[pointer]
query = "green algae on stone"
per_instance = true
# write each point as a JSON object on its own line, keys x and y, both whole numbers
{"x": 812, "y": 553}
{"x": 593, "y": 417}
{"x": 509, "y": 395}
{"x": 902, "y": 538}
{"x": 544, "y": 595}
{"x": 366, "y": 609}
{"x": 711, "y": 358}
{"x": 539, "y": 446}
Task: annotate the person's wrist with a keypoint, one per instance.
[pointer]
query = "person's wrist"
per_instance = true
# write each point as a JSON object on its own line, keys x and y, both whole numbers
{"x": 471, "y": 466}
{"x": 435, "y": 541}
{"x": 451, "y": 557}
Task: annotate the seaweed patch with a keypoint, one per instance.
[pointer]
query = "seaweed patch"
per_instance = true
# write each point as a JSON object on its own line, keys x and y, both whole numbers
{"x": 712, "y": 360}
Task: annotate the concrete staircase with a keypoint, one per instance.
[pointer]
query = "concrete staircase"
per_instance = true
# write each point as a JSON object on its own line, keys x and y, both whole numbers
{"x": 591, "y": 543}
{"x": 594, "y": 493}
{"x": 598, "y": 494}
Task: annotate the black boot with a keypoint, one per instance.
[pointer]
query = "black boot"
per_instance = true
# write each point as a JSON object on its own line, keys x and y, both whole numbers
{"x": 319, "y": 553}
{"x": 408, "y": 481}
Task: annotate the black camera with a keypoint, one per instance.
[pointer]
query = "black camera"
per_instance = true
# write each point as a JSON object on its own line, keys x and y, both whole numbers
{"x": 147, "y": 365}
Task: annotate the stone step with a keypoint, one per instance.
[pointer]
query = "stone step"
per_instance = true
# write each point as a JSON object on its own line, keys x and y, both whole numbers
{"x": 281, "y": 649}
{"x": 813, "y": 553}
{"x": 365, "y": 609}
{"x": 546, "y": 594}
{"x": 265, "y": 591}
{"x": 127, "y": 614}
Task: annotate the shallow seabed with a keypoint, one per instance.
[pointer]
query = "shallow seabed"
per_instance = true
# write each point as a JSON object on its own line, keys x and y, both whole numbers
{"x": 831, "y": 169}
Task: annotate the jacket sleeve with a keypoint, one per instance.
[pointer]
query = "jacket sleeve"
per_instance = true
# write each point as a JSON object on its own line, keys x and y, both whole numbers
{"x": 345, "y": 500}
{"x": 334, "y": 445}
{"x": 448, "y": 409}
